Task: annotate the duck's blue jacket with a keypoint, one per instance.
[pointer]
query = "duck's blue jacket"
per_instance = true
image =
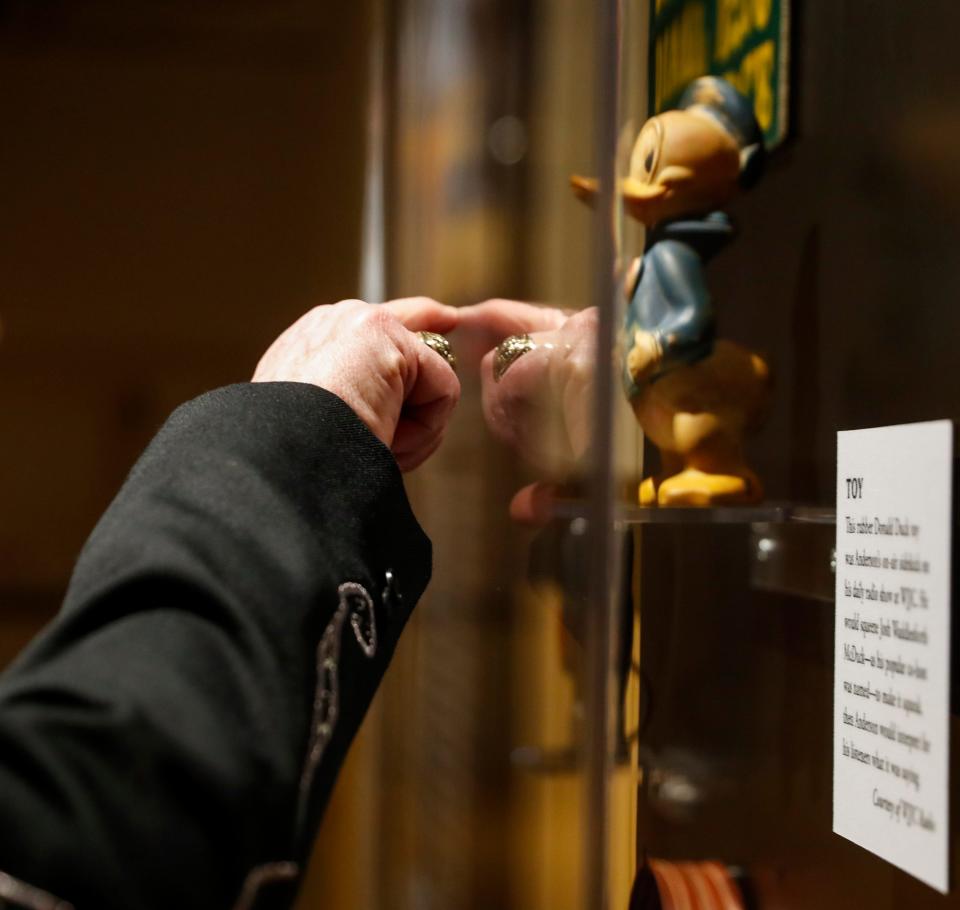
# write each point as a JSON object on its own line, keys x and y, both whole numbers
{"x": 670, "y": 298}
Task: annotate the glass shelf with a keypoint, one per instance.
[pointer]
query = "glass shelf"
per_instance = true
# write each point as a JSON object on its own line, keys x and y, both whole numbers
{"x": 765, "y": 513}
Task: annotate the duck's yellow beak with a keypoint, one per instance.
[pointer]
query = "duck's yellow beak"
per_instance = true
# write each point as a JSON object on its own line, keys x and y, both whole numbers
{"x": 585, "y": 188}
{"x": 638, "y": 196}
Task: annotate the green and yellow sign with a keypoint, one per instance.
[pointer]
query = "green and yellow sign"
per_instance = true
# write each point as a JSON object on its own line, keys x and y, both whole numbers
{"x": 745, "y": 41}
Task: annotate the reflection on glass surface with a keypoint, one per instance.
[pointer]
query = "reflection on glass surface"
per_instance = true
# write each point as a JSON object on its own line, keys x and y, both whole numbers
{"x": 474, "y": 773}
{"x": 538, "y": 392}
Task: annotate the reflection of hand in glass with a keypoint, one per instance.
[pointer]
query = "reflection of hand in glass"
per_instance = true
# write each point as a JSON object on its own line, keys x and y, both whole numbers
{"x": 480, "y": 328}
{"x": 537, "y": 400}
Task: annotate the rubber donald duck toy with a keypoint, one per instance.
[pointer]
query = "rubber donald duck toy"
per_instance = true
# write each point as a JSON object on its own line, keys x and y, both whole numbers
{"x": 694, "y": 396}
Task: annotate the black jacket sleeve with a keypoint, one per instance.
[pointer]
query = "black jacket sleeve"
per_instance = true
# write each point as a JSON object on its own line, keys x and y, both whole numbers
{"x": 171, "y": 739}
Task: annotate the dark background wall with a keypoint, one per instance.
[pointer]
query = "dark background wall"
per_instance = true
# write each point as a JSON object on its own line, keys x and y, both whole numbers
{"x": 847, "y": 274}
{"x": 847, "y": 271}
{"x": 178, "y": 181}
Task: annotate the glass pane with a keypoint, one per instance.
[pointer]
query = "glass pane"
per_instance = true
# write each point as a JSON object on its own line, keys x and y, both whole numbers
{"x": 487, "y": 781}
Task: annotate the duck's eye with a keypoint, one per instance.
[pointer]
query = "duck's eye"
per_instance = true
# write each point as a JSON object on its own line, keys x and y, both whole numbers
{"x": 648, "y": 161}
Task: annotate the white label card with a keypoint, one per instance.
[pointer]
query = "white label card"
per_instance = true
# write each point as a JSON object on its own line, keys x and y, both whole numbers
{"x": 892, "y": 647}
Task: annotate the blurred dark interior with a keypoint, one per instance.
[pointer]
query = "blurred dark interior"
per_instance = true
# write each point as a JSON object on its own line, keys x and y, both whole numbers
{"x": 179, "y": 181}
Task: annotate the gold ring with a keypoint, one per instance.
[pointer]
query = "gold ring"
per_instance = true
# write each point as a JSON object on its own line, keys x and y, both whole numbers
{"x": 439, "y": 344}
{"x": 508, "y": 351}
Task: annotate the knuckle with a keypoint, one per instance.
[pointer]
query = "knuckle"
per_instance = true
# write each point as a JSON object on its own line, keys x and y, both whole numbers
{"x": 393, "y": 363}
{"x": 341, "y": 309}
{"x": 377, "y": 319}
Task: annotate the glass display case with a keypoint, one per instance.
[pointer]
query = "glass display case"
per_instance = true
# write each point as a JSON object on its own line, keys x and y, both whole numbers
{"x": 626, "y": 694}
{"x": 482, "y": 777}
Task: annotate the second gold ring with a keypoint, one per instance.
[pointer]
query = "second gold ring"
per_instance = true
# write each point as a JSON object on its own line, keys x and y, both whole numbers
{"x": 508, "y": 351}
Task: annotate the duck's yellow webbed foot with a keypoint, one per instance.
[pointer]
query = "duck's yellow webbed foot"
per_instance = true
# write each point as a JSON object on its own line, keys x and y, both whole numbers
{"x": 698, "y": 488}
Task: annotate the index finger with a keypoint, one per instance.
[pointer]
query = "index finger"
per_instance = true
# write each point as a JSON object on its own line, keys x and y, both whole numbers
{"x": 501, "y": 318}
{"x": 484, "y": 325}
{"x": 423, "y": 314}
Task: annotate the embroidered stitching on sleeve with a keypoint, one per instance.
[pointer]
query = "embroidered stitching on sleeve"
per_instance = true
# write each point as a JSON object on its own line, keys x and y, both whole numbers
{"x": 356, "y": 603}
{"x": 263, "y": 875}
{"x": 362, "y": 618}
